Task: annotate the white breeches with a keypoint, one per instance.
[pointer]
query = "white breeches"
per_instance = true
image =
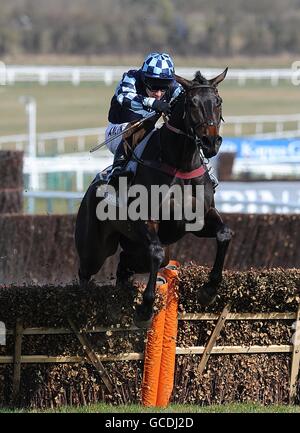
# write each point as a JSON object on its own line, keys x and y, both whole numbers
{"x": 111, "y": 130}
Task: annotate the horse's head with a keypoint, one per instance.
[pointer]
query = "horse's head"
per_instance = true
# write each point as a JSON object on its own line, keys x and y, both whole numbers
{"x": 203, "y": 111}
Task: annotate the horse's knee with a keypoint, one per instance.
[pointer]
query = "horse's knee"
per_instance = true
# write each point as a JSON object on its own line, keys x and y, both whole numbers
{"x": 164, "y": 262}
{"x": 224, "y": 234}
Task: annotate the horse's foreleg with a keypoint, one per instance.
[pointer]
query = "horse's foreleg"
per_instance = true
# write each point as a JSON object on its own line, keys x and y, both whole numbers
{"x": 125, "y": 274}
{"x": 84, "y": 278}
{"x": 210, "y": 289}
{"x": 144, "y": 312}
{"x": 223, "y": 237}
{"x": 156, "y": 254}
{"x": 215, "y": 226}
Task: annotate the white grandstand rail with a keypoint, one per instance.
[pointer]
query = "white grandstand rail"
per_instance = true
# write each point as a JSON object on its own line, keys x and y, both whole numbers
{"x": 71, "y": 197}
{"x": 110, "y": 74}
{"x": 79, "y": 165}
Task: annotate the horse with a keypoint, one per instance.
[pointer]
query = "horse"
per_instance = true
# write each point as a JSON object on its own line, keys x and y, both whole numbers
{"x": 175, "y": 155}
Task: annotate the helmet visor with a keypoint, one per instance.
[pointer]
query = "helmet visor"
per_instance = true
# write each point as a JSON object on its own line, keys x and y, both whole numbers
{"x": 157, "y": 84}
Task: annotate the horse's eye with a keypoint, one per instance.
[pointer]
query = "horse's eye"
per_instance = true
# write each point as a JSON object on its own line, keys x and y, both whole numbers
{"x": 195, "y": 101}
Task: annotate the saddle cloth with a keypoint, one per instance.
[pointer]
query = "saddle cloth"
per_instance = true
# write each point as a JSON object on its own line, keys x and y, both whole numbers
{"x": 132, "y": 164}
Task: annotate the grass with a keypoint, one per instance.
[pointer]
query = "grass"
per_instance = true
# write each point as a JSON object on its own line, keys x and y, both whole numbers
{"x": 59, "y": 106}
{"x": 62, "y": 106}
{"x": 174, "y": 408}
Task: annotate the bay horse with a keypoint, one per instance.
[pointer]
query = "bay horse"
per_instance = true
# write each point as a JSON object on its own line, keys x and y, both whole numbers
{"x": 174, "y": 155}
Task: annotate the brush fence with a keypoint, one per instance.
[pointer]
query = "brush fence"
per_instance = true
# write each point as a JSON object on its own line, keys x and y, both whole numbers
{"x": 203, "y": 352}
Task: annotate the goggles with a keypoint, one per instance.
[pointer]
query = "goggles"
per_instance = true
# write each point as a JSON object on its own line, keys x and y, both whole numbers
{"x": 156, "y": 84}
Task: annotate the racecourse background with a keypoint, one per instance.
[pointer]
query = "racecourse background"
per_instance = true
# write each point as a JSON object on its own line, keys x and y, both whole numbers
{"x": 62, "y": 106}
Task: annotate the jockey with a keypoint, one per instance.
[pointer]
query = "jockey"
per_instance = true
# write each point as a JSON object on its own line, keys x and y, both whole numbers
{"x": 140, "y": 93}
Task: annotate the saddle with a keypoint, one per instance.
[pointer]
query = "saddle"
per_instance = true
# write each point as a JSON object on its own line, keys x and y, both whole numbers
{"x": 134, "y": 140}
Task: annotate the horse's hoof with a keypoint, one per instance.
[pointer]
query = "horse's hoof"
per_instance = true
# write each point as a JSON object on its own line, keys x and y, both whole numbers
{"x": 142, "y": 318}
{"x": 207, "y": 295}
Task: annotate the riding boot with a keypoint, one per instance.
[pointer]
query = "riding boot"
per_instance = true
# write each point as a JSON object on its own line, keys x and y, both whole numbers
{"x": 119, "y": 165}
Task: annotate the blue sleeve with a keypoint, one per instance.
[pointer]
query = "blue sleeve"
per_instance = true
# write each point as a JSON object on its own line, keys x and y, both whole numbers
{"x": 175, "y": 91}
{"x": 128, "y": 97}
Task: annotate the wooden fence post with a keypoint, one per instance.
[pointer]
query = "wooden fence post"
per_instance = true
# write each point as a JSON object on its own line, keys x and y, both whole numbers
{"x": 295, "y": 360}
{"x": 92, "y": 356}
{"x": 17, "y": 363}
{"x": 213, "y": 338}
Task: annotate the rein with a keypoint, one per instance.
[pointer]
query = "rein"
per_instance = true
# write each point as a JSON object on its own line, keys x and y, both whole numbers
{"x": 176, "y": 130}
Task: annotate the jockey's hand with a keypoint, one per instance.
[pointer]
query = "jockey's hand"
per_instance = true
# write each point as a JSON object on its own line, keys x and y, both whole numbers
{"x": 161, "y": 107}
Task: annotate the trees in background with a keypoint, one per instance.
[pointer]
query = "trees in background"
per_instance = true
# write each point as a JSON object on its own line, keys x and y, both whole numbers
{"x": 193, "y": 27}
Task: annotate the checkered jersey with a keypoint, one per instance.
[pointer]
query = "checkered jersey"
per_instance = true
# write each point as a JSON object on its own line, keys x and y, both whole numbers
{"x": 131, "y": 102}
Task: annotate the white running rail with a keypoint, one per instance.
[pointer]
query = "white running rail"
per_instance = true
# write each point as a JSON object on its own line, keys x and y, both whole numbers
{"x": 280, "y": 122}
{"x": 109, "y": 74}
{"x": 56, "y": 142}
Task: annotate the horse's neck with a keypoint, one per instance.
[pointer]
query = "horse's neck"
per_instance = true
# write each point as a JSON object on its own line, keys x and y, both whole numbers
{"x": 178, "y": 150}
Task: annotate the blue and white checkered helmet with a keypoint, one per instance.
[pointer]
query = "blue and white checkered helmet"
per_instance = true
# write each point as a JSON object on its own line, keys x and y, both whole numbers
{"x": 158, "y": 65}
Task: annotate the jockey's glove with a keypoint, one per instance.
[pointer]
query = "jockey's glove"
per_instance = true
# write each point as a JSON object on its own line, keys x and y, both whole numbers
{"x": 161, "y": 107}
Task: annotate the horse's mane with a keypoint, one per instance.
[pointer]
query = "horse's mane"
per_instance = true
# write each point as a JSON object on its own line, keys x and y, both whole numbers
{"x": 199, "y": 78}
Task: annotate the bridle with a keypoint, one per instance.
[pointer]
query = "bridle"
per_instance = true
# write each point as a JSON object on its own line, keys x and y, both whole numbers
{"x": 191, "y": 135}
{"x": 210, "y": 126}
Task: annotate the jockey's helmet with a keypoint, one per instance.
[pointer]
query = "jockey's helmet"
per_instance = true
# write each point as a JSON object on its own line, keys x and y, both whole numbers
{"x": 158, "y": 70}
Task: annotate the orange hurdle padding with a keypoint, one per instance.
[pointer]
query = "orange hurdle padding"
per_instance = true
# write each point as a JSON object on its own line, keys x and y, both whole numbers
{"x": 167, "y": 364}
{"x": 153, "y": 351}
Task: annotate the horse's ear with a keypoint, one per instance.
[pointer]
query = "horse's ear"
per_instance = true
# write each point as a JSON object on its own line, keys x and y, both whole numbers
{"x": 186, "y": 84}
{"x": 217, "y": 80}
